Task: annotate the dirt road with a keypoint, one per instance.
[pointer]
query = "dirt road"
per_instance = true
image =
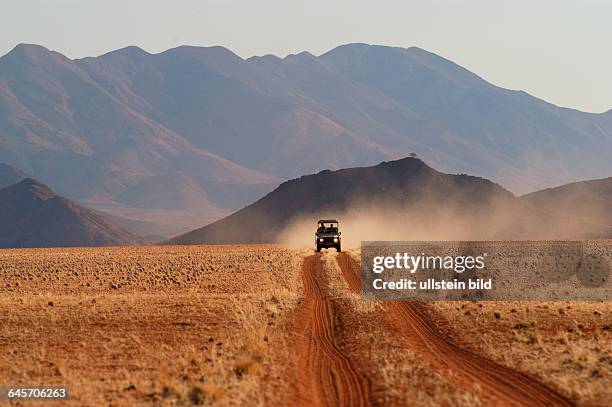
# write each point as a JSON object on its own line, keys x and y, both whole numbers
{"x": 327, "y": 376}
{"x": 499, "y": 385}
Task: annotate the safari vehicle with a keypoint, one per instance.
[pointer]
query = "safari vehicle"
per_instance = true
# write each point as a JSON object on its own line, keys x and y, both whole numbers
{"x": 327, "y": 234}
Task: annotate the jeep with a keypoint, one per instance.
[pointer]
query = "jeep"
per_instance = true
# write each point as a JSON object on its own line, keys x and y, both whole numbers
{"x": 327, "y": 234}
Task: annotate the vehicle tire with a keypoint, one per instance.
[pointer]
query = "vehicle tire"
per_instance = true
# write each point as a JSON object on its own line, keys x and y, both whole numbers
{"x": 338, "y": 248}
{"x": 318, "y": 248}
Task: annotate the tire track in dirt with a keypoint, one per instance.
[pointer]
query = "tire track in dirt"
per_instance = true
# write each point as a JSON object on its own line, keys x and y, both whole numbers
{"x": 326, "y": 375}
{"x": 500, "y": 385}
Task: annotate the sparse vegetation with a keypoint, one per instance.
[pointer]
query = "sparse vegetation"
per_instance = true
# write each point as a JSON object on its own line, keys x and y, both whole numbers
{"x": 565, "y": 345}
{"x": 149, "y": 325}
{"x": 225, "y": 325}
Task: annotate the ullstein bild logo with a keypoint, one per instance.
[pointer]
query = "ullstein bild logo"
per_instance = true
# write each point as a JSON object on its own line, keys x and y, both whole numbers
{"x": 486, "y": 270}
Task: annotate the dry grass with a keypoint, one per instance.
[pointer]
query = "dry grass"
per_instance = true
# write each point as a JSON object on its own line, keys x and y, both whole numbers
{"x": 567, "y": 345}
{"x": 149, "y": 325}
{"x": 214, "y": 325}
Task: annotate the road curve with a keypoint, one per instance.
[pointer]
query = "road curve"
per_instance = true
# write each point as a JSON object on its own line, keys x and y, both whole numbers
{"x": 500, "y": 385}
{"x": 326, "y": 375}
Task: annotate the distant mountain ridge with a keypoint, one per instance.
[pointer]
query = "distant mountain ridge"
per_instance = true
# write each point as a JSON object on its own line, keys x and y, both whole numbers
{"x": 34, "y": 216}
{"x": 212, "y": 131}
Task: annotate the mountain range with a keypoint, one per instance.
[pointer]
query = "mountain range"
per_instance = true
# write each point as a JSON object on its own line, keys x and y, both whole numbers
{"x": 395, "y": 200}
{"x": 186, "y": 136}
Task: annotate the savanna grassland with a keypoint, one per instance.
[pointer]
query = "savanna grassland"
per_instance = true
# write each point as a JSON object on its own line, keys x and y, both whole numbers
{"x": 267, "y": 325}
{"x": 148, "y": 325}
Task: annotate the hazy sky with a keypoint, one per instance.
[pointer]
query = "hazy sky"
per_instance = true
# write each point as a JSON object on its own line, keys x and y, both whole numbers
{"x": 558, "y": 50}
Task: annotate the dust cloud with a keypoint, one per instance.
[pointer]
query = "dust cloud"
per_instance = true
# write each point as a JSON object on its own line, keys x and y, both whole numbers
{"x": 426, "y": 221}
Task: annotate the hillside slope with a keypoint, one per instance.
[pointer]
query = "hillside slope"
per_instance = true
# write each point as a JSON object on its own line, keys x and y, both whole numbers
{"x": 357, "y": 104}
{"x": 62, "y": 127}
{"x": 398, "y": 200}
{"x": 589, "y": 200}
{"x": 34, "y": 216}
{"x": 10, "y": 175}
